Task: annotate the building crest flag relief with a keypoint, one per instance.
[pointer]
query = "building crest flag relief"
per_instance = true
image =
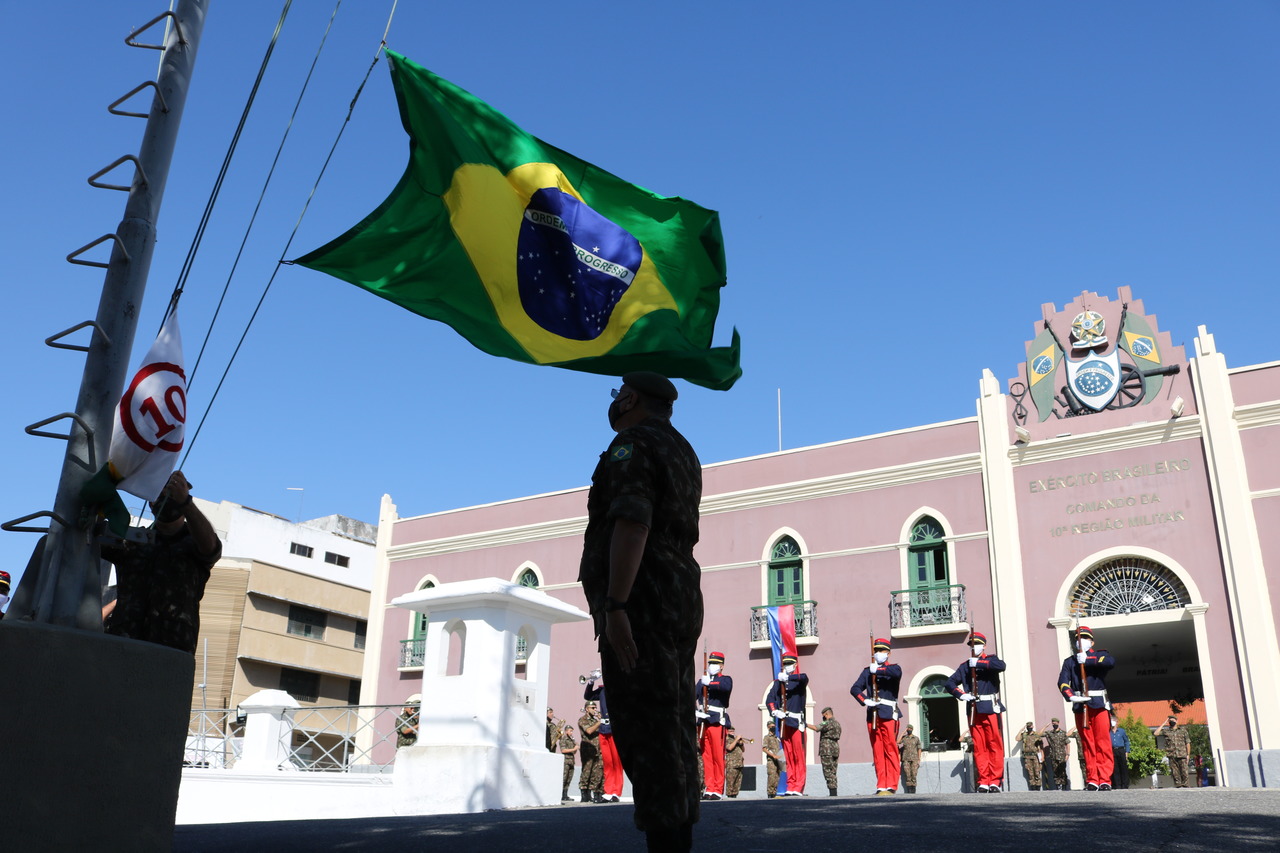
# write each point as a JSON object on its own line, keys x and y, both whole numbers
{"x": 534, "y": 255}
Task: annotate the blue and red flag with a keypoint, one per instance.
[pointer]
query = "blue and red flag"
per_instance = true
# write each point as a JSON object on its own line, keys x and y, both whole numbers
{"x": 782, "y": 641}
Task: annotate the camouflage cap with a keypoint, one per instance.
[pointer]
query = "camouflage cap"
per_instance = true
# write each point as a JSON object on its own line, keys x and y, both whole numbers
{"x": 652, "y": 384}
{"x": 1055, "y": 720}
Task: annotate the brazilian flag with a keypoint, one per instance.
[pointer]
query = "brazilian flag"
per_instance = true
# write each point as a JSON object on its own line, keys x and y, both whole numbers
{"x": 1137, "y": 339}
{"x": 1043, "y": 360}
{"x": 532, "y": 254}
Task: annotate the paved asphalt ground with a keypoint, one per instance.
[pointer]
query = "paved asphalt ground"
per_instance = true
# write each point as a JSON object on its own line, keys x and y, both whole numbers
{"x": 1210, "y": 819}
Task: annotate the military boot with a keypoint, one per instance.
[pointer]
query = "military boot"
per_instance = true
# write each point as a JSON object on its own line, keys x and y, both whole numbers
{"x": 831, "y": 792}
{"x": 586, "y": 795}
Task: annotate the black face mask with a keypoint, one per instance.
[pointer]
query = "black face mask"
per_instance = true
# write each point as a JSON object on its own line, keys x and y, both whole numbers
{"x": 615, "y": 412}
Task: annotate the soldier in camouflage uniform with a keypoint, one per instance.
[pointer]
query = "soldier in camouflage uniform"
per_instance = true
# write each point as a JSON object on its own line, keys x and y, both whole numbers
{"x": 828, "y": 747}
{"x": 1074, "y": 734}
{"x": 1057, "y": 748}
{"x": 160, "y": 580}
{"x": 591, "y": 779}
{"x": 773, "y": 762}
{"x": 643, "y": 588}
{"x": 1177, "y": 748}
{"x": 569, "y": 748}
{"x": 1031, "y": 742}
{"x": 909, "y": 749}
{"x": 733, "y": 755}
{"x": 407, "y": 724}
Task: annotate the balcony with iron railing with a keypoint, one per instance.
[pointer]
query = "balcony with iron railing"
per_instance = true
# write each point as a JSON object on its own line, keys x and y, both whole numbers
{"x": 412, "y": 652}
{"x": 806, "y": 625}
{"x": 933, "y": 610}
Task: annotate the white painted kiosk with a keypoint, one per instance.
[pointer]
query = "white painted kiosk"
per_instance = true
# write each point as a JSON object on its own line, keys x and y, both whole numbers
{"x": 482, "y": 731}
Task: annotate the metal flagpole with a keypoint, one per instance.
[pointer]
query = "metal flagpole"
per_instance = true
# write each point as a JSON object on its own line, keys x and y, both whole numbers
{"x": 67, "y": 588}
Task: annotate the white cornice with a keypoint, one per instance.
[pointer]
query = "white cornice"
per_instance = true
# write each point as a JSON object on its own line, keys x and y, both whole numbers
{"x": 1258, "y": 415}
{"x": 1122, "y": 438}
{"x": 761, "y": 496}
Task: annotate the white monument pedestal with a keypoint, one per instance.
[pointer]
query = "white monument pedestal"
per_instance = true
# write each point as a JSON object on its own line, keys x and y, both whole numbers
{"x": 482, "y": 730}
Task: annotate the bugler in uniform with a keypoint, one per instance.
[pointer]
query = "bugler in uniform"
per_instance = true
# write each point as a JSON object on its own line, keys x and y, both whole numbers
{"x": 1092, "y": 709}
{"x": 591, "y": 779}
{"x": 977, "y": 681}
{"x": 882, "y": 714}
{"x": 791, "y": 717}
{"x": 713, "y": 718}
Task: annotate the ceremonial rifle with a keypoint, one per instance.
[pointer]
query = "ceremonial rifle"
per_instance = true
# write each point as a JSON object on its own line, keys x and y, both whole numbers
{"x": 973, "y": 688}
{"x": 702, "y": 723}
{"x": 875, "y": 690}
{"x": 1084, "y": 685}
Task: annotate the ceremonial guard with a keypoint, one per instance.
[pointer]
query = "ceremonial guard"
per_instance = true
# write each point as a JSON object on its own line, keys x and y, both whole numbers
{"x": 1083, "y": 682}
{"x": 734, "y": 747}
{"x": 569, "y": 747}
{"x": 977, "y": 684}
{"x": 591, "y": 779}
{"x": 786, "y": 701}
{"x": 1177, "y": 748}
{"x": 1031, "y": 742}
{"x": 713, "y": 715}
{"x": 774, "y": 762}
{"x": 608, "y": 750}
{"x": 909, "y": 748}
{"x": 829, "y": 748}
{"x": 1057, "y": 749}
{"x": 877, "y": 689}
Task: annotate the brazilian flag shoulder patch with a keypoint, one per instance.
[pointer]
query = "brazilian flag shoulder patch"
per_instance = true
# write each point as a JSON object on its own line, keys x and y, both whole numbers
{"x": 621, "y": 453}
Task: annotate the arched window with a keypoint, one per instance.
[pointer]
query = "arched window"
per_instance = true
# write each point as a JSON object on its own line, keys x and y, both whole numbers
{"x": 1127, "y": 585}
{"x": 786, "y": 573}
{"x": 420, "y": 619}
{"x": 927, "y": 555}
{"x": 939, "y": 714}
{"x": 528, "y": 578}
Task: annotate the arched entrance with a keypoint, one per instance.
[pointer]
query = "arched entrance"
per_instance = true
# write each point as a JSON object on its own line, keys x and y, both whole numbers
{"x": 1146, "y": 610}
{"x": 939, "y": 717}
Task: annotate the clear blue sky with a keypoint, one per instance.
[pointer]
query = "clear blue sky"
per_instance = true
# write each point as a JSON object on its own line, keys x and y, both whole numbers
{"x": 901, "y": 186}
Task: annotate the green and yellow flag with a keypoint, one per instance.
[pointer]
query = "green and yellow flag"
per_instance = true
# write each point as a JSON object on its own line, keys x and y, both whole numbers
{"x": 532, "y": 254}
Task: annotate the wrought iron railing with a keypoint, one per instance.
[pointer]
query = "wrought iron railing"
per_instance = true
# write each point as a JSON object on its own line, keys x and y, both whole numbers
{"x": 806, "y": 621}
{"x": 329, "y": 739}
{"x": 919, "y": 608}
{"x": 412, "y": 652}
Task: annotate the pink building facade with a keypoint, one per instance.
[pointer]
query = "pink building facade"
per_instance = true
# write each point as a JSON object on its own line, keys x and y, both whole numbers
{"x": 1116, "y": 478}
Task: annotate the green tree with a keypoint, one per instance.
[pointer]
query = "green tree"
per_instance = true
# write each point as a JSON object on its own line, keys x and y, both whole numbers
{"x": 1144, "y": 756}
{"x": 1201, "y": 746}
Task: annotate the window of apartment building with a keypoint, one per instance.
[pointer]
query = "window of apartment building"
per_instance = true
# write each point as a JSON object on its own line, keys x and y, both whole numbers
{"x": 300, "y": 549}
{"x": 353, "y": 692}
{"x": 301, "y": 685}
{"x": 362, "y": 629}
{"x": 339, "y": 560}
{"x": 305, "y": 622}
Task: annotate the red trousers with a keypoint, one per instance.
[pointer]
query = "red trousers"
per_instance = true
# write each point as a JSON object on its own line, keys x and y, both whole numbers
{"x": 988, "y": 748}
{"x": 1099, "y": 760}
{"x": 712, "y": 748}
{"x": 884, "y": 752}
{"x": 613, "y": 766}
{"x": 793, "y": 751}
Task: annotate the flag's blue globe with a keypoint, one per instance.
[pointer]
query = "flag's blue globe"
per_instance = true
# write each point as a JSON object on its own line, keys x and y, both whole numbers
{"x": 1042, "y": 365}
{"x": 573, "y": 265}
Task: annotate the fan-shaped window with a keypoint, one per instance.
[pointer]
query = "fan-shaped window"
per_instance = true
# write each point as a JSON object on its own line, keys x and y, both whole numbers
{"x": 1127, "y": 585}
{"x": 421, "y": 619}
{"x": 786, "y": 573}
{"x": 528, "y": 578}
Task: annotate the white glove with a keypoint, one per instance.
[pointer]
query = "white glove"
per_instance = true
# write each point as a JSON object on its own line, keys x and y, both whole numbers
{"x": 702, "y": 715}
{"x": 1082, "y": 657}
{"x": 967, "y": 697}
{"x": 874, "y": 667}
{"x": 779, "y": 713}
{"x": 782, "y": 676}
{"x": 1079, "y": 700}
{"x": 705, "y": 679}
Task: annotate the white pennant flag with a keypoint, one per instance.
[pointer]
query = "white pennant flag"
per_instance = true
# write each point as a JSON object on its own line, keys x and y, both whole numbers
{"x": 150, "y": 425}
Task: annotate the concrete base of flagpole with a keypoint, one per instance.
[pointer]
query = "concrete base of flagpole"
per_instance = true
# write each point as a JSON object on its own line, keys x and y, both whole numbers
{"x": 92, "y": 732}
